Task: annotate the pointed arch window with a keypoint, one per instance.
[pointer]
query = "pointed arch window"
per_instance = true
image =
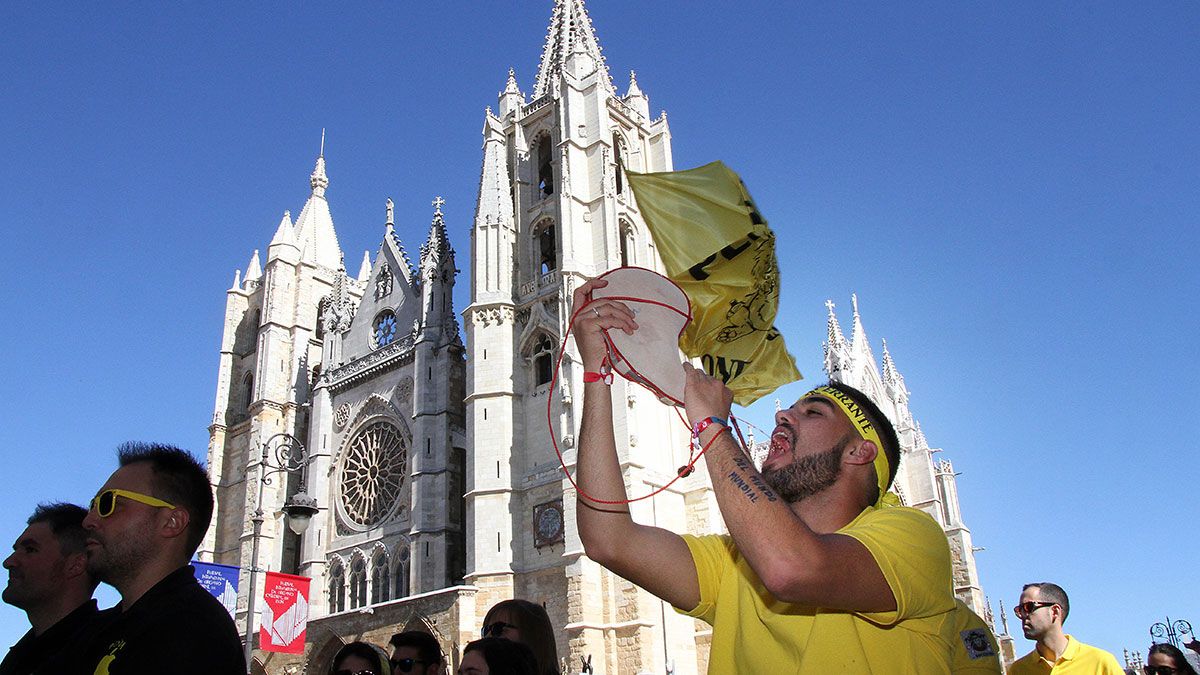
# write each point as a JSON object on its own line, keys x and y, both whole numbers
{"x": 619, "y": 158}
{"x": 379, "y": 578}
{"x": 401, "y": 572}
{"x": 545, "y": 181}
{"x": 628, "y": 244}
{"x": 337, "y": 587}
{"x": 248, "y": 391}
{"x": 358, "y": 583}
{"x": 543, "y": 360}
{"x": 546, "y": 248}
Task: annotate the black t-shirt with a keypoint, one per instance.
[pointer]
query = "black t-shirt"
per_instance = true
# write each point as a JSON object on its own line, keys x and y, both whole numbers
{"x": 51, "y": 652}
{"x": 176, "y": 627}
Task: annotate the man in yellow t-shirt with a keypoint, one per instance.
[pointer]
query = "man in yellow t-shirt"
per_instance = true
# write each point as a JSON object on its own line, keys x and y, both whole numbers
{"x": 821, "y": 571}
{"x": 1042, "y": 610}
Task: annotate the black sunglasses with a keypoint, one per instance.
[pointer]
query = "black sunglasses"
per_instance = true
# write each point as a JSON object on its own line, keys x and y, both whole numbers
{"x": 1160, "y": 670}
{"x": 1024, "y": 609}
{"x": 347, "y": 671}
{"x": 495, "y": 629}
{"x": 405, "y": 665}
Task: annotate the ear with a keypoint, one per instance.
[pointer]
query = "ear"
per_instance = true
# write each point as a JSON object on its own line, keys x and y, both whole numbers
{"x": 861, "y": 452}
{"x": 76, "y": 565}
{"x": 176, "y": 523}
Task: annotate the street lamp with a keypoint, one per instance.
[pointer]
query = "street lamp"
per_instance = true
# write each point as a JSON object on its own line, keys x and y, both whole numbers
{"x": 1173, "y": 631}
{"x": 282, "y": 453}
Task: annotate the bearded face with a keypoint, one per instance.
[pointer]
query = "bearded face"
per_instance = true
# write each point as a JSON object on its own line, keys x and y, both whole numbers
{"x": 808, "y": 475}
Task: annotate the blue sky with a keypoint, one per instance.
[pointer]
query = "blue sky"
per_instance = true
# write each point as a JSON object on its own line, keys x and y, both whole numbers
{"x": 1010, "y": 189}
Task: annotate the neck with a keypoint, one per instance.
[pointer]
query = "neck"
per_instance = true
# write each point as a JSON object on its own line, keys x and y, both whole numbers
{"x": 829, "y": 510}
{"x": 1053, "y": 643}
{"x": 153, "y": 572}
{"x": 42, "y": 618}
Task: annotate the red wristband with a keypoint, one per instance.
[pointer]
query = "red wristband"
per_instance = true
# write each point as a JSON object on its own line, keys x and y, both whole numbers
{"x": 605, "y": 377}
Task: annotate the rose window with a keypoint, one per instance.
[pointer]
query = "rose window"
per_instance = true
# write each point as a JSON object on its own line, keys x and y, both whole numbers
{"x": 373, "y": 473}
{"x": 385, "y": 329}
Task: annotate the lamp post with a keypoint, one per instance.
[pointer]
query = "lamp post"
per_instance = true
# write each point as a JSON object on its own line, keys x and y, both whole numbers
{"x": 1173, "y": 631}
{"x": 282, "y": 453}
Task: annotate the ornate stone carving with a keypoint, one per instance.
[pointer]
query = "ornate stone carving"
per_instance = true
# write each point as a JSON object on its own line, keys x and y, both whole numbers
{"x": 341, "y": 416}
{"x": 379, "y": 359}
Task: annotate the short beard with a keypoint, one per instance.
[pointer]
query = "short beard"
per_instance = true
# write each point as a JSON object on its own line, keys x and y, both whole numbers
{"x": 116, "y": 564}
{"x": 809, "y": 475}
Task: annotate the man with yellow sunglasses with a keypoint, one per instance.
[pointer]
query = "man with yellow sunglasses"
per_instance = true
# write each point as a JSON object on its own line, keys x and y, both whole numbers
{"x": 143, "y": 527}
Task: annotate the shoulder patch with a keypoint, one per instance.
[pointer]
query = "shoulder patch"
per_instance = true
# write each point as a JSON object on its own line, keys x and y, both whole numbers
{"x": 976, "y": 642}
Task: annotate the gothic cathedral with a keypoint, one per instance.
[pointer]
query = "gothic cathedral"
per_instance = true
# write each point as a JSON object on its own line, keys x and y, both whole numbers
{"x": 437, "y": 467}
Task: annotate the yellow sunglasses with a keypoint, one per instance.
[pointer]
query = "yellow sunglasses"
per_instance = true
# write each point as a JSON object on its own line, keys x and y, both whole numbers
{"x": 106, "y": 502}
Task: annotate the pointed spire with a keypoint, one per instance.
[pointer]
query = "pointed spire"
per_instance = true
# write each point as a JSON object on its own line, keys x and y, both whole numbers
{"x": 315, "y": 234}
{"x": 390, "y": 221}
{"x": 318, "y": 180}
{"x": 254, "y": 269}
{"x": 638, "y": 101}
{"x": 890, "y": 376}
{"x": 1003, "y": 618}
{"x": 570, "y": 33}
{"x": 437, "y": 247}
{"x": 237, "y": 280}
{"x": 511, "y": 99}
{"x": 833, "y": 328}
{"x": 284, "y": 234}
{"x": 364, "y": 270}
{"x": 860, "y": 349}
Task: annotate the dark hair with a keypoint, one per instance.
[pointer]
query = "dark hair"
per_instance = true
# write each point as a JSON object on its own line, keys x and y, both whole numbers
{"x": 1181, "y": 662}
{"x": 1052, "y": 593}
{"x": 536, "y": 631}
{"x": 366, "y": 651}
{"x": 505, "y": 657}
{"x": 179, "y": 479}
{"x": 66, "y": 524}
{"x": 428, "y": 649}
{"x": 887, "y": 434}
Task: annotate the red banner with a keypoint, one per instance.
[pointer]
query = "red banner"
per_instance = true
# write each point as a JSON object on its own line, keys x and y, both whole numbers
{"x": 284, "y": 616}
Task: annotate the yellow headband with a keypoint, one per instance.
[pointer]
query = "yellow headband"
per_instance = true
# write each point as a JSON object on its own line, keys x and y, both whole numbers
{"x": 858, "y": 418}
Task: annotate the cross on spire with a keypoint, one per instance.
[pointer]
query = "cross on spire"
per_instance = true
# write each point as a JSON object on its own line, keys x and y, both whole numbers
{"x": 437, "y": 205}
{"x": 829, "y": 305}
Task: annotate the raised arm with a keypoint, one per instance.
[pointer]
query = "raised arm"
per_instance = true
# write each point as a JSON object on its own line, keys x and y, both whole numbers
{"x": 658, "y": 560}
{"x": 794, "y": 562}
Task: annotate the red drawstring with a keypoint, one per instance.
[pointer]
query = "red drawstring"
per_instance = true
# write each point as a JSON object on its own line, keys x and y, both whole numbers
{"x": 693, "y": 457}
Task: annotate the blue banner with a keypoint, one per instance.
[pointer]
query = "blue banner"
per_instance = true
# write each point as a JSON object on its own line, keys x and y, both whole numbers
{"x": 221, "y": 581}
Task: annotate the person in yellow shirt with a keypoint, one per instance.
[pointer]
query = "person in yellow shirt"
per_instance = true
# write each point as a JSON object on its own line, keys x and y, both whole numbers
{"x": 973, "y": 644}
{"x": 822, "y": 571}
{"x": 1042, "y": 610}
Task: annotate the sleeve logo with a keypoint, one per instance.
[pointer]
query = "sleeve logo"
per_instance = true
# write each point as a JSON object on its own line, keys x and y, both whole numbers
{"x": 977, "y": 643}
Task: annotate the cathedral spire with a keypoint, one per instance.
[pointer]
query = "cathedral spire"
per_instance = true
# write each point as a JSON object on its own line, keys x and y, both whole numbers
{"x": 254, "y": 269}
{"x": 437, "y": 246}
{"x": 860, "y": 349}
{"x": 835, "y": 345}
{"x": 284, "y": 234}
{"x": 570, "y": 34}
{"x": 237, "y": 280}
{"x": 364, "y": 270}
{"x": 315, "y": 234}
{"x": 318, "y": 180}
{"x": 636, "y": 98}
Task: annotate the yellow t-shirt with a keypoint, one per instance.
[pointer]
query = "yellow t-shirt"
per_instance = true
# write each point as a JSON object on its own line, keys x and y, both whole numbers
{"x": 755, "y": 633}
{"x": 1076, "y": 658}
{"x": 973, "y": 646}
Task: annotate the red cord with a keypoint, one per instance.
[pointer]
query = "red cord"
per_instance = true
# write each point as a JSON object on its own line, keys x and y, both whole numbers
{"x": 683, "y": 471}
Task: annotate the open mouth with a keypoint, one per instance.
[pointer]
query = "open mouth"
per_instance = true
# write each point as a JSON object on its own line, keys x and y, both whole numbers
{"x": 781, "y": 444}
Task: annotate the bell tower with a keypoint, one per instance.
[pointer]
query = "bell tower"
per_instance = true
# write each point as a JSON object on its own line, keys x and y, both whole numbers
{"x": 554, "y": 209}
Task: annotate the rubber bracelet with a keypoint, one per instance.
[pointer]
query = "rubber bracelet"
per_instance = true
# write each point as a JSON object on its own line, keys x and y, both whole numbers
{"x": 705, "y": 423}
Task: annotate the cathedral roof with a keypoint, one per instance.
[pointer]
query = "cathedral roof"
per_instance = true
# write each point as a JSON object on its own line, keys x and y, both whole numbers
{"x": 570, "y": 31}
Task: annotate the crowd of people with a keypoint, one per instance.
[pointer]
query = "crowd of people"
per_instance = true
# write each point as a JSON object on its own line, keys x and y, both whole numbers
{"x": 822, "y": 571}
